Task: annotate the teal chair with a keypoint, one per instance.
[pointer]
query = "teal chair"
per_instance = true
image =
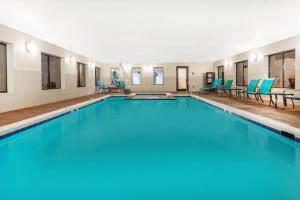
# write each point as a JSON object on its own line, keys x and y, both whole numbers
{"x": 215, "y": 86}
{"x": 265, "y": 89}
{"x": 121, "y": 86}
{"x": 251, "y": 90}
{"x": 101, "y": 87}
{"x": 227, "y": 88}
{"x": 292, "y": 98}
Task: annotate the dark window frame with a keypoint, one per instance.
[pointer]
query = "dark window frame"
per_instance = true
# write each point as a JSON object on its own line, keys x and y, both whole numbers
{"x": 187, "y": 78}
{"x": 163, "y": 70}
{"x": 282, "y": 67}
{"x": 96, "y": 81}
{"x": 48, "y": 67}
{"x": 78, "y": 75}
{"x": 236, "y": 66}
{"x": 223, "y": 75}
{"x": 140, "y": 75}
{"x": 5, "y": 57}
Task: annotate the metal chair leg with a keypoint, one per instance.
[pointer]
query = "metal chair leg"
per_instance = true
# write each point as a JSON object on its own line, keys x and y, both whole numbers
{"x": 261, "y": 98}
{"x": 293, "y": 103}
{"x": 271, "y": 100}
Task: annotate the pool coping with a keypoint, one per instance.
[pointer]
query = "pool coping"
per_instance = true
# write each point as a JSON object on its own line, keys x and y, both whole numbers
{"x": 279, "y": 127}
{"x": 16, "y": 127}
{"x": 274, "y": 125}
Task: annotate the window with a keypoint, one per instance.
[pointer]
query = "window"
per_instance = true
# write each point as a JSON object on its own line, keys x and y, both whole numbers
{"x": 136, "y": 76}
{"x": 221, "y": 73}
{"x": 97, "y": 75}
{"x": 3, "y": 68}
{"x": 51, "y": 77}
{"x": 242, "y": 73}
{"x": 80, "y": 75}
{"x": 282, "y": 68}
{"x": 115, "y": 76}
{"x": 158, "y": 76}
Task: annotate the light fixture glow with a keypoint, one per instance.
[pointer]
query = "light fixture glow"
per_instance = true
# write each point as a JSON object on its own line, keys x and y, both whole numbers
{"x": 73, "y": 59}
{"x": 67, "y": 59}
{"x": 91, "y": 65}
{"x": 29, "y": 47}
{"x": 70, "y": 59}
{"x": 226, "y": 63}
{"x": 254, "y": 57}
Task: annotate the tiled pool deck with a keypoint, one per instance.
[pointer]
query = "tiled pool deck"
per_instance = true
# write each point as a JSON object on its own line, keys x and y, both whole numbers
{"x": 288, "y": 116}
{"x": 21, "y": 114}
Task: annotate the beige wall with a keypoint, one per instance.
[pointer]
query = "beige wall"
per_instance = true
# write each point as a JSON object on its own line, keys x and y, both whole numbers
{"x": 196, "y": 74}
{"x": 259, "y": 68}
{"x": 24, "y": 73}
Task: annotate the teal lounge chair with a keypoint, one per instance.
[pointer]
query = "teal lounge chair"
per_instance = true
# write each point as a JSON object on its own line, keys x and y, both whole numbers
{"x": 265, "y": 89}
{"x": 227, "y": 88}
{"x": 251, "y": 90}
{"x": 216, "y": 85}
{"x": 292, "y": 98}
{"x": 121, "y": 86}
{"x": 101, "y": 87}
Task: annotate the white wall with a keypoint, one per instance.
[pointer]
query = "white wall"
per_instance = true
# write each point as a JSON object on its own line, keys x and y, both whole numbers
{"x": 24, "y": 73}
{"x": 196, "y": 74}
{"x": 259, "y": 68}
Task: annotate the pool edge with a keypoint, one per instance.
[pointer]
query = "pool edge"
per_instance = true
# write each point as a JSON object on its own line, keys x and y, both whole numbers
{"x": 281, "y": 128}
{"x": 16, "y": 127}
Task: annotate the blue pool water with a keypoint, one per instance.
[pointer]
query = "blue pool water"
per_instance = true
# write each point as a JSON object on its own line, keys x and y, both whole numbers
{"x": 120, "y": 149}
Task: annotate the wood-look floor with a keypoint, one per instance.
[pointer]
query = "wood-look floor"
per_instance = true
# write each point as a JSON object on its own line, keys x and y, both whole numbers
{"x": 21, "y": 114}
{"x": 287, "y": 115}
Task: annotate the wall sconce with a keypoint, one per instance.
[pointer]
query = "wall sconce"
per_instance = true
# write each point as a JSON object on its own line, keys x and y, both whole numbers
{"x": 70, "y": 59}
{"x": 226, "y": 63}
{"x": 29, "y": 47}
{"x": 91, "y": 65}
{"x": 254, "y": 57}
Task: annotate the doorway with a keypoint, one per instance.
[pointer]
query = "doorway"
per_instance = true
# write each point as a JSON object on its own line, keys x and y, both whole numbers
{"x": 182, "y": 78}
{"x": 221, "y": 73}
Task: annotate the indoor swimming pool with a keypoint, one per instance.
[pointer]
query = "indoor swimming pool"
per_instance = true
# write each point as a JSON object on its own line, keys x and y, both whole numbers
{"x": 154, "y": 149}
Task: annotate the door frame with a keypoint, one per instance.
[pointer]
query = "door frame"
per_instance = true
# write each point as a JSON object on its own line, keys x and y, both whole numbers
{"x": 187, "y": 78}
{"x": 96, "y": 81}
{"x": 223, "y": 76}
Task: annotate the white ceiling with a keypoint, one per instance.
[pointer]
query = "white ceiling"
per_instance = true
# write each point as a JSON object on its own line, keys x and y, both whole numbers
{"x": 155, "y": 30}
